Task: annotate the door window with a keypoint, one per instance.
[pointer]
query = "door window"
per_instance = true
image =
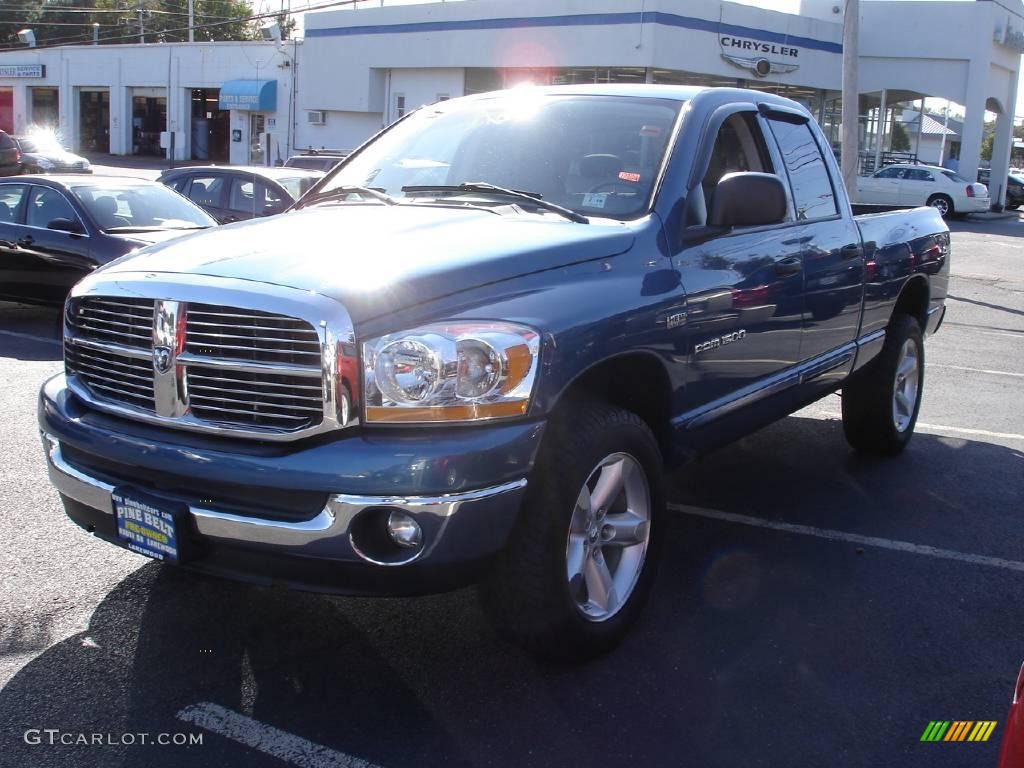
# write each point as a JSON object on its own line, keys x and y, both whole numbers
{"x": 918, "y": 174}
{"x": 254, "y": 198}
{"x": 45, "y": 205}
{"x": 813, "y": 195}
{"x": 889, "y": 173}
{"x": 12, "y": 198}
{"x": 207, "y": 190}
{"x": 739, "y": 146}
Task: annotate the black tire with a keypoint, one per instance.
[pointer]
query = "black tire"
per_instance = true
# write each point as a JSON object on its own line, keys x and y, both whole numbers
{"x": 1012, "y": 206}
{"x": 943, "y": 201}
{"x": 869, "y": 421}
{"x": 527, "y": 595}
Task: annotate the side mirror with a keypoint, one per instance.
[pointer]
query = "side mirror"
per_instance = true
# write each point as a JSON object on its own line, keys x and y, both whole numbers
{"x": 65, "y": 225}
{"x": 748, "y": 200}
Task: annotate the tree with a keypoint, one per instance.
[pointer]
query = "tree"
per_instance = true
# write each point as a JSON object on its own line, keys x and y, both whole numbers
{"x": 57, "y": 22}
{"x": 988, "y": 140}
{"x": 900, "y": 140}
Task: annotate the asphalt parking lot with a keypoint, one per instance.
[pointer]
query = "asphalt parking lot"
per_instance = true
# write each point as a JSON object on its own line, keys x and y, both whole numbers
{"x": 816, "y": 608}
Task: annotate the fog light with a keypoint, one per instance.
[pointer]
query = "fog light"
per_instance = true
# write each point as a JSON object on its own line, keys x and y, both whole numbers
{"x": 403, "y": 530}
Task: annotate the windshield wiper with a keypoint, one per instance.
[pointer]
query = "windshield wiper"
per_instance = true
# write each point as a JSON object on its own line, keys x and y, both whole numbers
{"x": 344, "y": 191}
{"x": 156, "y": 228}
{"x": 490, "y": 189}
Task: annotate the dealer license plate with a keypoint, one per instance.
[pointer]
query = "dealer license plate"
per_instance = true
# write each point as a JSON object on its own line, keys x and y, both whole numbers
{"x": 149, "y": 526}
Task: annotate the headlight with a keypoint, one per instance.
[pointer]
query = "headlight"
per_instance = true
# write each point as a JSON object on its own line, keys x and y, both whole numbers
{"x": 454, "y": 371}
{"x": 45, "y": 164}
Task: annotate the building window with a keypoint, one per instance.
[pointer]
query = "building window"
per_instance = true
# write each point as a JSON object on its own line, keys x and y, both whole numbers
{"x": 399, "y": 106}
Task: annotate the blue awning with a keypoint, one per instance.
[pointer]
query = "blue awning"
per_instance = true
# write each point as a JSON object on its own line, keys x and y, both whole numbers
{"x": 253, "y": 95}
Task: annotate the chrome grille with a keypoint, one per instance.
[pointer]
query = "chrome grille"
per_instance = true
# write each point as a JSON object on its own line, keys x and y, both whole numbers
{"x": 201, "y": 366}
{"x": 244, "y": 334}
{"x": 111, "y": 376}
{"x": 260, "y": 400}
{"x": 119, "y": 321}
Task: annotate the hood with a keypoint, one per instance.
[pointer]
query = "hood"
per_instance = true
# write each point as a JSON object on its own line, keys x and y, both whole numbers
{"x": 376, "y": 259}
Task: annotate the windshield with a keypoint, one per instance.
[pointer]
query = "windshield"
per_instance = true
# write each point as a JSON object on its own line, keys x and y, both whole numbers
{"x": 153, "y": 206}
{"x": 296, "y": 186}
{"x": 597, "y": 155}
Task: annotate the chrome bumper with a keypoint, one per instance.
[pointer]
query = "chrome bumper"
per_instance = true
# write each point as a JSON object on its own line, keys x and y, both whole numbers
{"x": 326, "y": 536}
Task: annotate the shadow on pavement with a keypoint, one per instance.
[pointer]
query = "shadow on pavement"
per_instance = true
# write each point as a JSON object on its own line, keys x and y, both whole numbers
{"x": 30, "y": 333}
{"x": 759, "y": 648}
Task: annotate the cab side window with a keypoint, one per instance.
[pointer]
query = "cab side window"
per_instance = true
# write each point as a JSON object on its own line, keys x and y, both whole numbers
{"x": 739, "y": 146}
{"x": 813, "y": 196}
{"x": 889, "y": 173}
{"x": 918, "y": 174}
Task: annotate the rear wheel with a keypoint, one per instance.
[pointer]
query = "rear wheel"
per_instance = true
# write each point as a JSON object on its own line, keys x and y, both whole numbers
{"x": 881, "y": 401}
{"x": 581, "y": 560}
{"x": 943, "y": 204}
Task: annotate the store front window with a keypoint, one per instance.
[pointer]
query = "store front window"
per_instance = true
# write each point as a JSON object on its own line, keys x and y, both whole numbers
{"x": 257, "y": 127}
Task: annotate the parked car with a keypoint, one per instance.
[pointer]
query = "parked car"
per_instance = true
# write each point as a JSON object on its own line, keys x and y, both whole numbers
{"x": 40, "y": 156}
{"x": 54, "y": 230}
{"x": 469, "y": 352}
{"x": 1014, "y": 191}
{"x": 914, "y": 185}
{"x": 316, "y": 161}
{"x": 1011, "y": 753}
{"x": 236, "y": 193}
{"x": 10, "y": 156}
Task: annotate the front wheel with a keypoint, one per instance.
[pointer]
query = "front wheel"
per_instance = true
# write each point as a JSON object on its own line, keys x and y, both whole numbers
{"x": 581, "y": 560}
{"x": 881, "y": 401}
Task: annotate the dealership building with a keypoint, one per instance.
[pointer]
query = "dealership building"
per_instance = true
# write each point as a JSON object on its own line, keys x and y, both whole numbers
{"x": 357, "y": 70}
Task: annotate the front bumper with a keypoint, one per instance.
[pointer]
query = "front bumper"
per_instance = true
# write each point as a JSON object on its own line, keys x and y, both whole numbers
{"x": 462, "y": 528}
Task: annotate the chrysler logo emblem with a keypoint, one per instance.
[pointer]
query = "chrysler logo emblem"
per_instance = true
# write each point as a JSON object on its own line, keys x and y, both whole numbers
{"x": 162, "y": 359}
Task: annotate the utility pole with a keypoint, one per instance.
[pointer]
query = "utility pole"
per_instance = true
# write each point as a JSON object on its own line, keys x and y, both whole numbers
{"x": 851, "y": 98}
{"x": 191, "y": 21}
{"x": 142, "y": 25}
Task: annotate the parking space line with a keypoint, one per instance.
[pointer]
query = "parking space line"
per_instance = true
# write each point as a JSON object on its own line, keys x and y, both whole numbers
{"x": 853, "y": 538}
{"x": 266, "y": 738}
{"x": 30, "y": 337}
{"x": 937, "y": 428}
{"x": 976, "y": 370}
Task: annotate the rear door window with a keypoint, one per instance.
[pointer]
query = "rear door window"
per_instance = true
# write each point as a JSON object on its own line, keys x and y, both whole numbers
{"x": 813, "y": 196}
{"x": 207, "y": 190}
{"x": 12, "y": 199}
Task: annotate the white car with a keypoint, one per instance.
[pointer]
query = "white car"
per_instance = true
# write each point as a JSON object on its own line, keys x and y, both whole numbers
{"x": 914, "y": 185}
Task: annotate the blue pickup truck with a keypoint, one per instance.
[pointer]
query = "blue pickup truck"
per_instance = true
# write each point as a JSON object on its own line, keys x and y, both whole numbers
{"x": 468, "y": 353}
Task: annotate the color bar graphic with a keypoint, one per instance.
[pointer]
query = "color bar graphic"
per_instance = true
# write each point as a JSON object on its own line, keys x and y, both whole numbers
{"x": 958, "y": 730}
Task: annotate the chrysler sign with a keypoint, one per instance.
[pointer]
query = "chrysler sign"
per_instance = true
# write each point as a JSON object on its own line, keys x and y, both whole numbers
{"x": 22, "y": 70}
{"x": 761, "y": 58}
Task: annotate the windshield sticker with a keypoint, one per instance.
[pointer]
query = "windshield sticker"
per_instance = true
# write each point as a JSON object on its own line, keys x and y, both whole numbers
{"x": 595, "y": 199}
{"x": 627, "y": 176}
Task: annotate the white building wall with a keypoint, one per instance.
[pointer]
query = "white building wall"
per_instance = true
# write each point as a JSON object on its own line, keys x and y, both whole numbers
{"x": 341, "y": 130}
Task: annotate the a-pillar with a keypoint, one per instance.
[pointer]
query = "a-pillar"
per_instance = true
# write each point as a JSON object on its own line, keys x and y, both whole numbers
{"x": 974, "y": 122}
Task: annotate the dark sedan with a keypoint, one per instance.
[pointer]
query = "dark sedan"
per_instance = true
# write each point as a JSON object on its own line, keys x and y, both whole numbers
{"x": 10, "y": 156}
{"x": 43, "y": 154}
{"x": 54, "y": 230}
{"x": 1014, "y": 191}
{"x": 238, "y": 193}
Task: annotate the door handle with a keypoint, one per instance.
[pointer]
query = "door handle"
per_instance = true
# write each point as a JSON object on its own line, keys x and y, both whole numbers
{"x": 788, "y": 266}
{"x": 26, "y": 241}
{"x": 851, "y": 251}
